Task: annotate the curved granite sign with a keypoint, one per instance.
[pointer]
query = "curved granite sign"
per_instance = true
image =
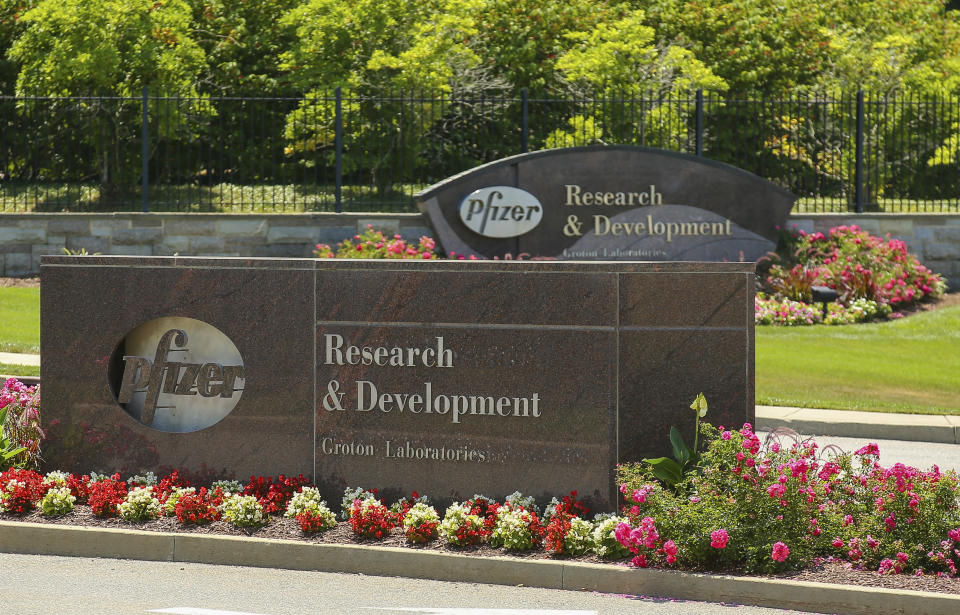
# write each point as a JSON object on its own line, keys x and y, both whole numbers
{"x": 608, "y": 203}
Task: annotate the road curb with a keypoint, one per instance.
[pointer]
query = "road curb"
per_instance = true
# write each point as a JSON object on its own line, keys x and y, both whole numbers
{"x": 866, "y": 425}
{"x": 46, "y": 539}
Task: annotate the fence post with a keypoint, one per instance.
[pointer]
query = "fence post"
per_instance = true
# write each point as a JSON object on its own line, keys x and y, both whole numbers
{"x": 338, "y": 149}
{"x": 524, "y": 121}
{"x": 699, "y": 136}
{"x": 145, "y": 150}
{"x": 858, "y": 171}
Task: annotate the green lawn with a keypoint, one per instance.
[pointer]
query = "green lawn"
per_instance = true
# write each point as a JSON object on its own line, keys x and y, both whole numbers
{"x": 910, "y": 365}
{"x": 19, "y": 370}
{"x": 20, "y": 319}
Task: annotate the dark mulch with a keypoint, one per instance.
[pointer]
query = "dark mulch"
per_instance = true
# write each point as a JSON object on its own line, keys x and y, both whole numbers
{"x": 287, "y": 529}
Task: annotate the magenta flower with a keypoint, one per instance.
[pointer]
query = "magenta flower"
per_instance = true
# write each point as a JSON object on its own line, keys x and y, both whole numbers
{"x": 719, "y": 539}
{"x": 780, "y": 552}
{"x": 670, "y": 548}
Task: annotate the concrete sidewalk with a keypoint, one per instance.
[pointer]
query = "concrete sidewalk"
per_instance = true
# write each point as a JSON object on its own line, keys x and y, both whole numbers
{"x": 15, "y": 358}
{"x": 870, "y": 425}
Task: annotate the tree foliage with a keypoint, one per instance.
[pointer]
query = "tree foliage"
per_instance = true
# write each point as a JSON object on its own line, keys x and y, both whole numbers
{"x": 77, "y": 47}
{"x": 585, "y": 49}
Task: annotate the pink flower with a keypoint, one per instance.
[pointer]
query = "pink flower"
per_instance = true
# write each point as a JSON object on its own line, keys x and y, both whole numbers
{"x": 670, "y": 548}
{"x": 719, "y": 539}
{"x": 725, "y": 435}
{"x": 837, "y": 542}
{"x": 954, "y": 535}
{"x": 869, "y": 449}
{"x": 640, "y": 561}
{"x": 780, "y": 552}
{"x": 847, "y": 519}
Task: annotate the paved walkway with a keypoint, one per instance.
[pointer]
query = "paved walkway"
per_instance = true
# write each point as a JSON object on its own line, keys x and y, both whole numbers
{"x": 13, "y": 358}
{"x": 852, "y": 424}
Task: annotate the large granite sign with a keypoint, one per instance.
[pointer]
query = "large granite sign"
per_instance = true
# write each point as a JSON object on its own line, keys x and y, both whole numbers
{"x": 608, "y": 203}
{"x": 449, "y": 378}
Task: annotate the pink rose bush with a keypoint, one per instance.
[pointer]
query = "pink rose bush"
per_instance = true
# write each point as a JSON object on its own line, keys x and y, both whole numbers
{"x": 374, "y": 244}
{"x": 781, "y": 505}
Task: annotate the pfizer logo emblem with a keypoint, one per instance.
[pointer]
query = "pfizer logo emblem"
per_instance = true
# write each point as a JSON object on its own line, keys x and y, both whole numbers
{"x": 501, "y": 211}
{"x": 177, "y": 374}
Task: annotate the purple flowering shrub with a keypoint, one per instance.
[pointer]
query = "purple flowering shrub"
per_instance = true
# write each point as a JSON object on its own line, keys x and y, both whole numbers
{"x": 774, "y": 507}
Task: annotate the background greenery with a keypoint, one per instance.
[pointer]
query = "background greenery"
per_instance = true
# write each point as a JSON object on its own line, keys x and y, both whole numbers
{"x": 461, "y": 66}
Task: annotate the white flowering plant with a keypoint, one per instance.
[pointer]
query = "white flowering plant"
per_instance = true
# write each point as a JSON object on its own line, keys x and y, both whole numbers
{"x": 349, "y": 495}
{"x": 57, "y": 501}
{"x": 307, "y": 502}
{"x": 516, "y": 529}
{"x": 139, "y": 505}
{"x": 170, "y": 506}
{"x": 460, "y": 528}
{"x": 244, "y": 511}
{"x": 420, "y": 523}
{"x": 605, "y": 543}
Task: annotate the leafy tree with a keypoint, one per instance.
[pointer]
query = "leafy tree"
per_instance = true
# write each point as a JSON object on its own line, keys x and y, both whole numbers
{"x": 620, "y": 60}
{"x": 521, "y": 40}
{"x": 243, "y": 42}
{"x": 11, "y": 26}
{"x": 106, "y": 48}
{"x": 374, "y": 47}
{"x": 76, "y": 47}
{"x": 760, "y": 46}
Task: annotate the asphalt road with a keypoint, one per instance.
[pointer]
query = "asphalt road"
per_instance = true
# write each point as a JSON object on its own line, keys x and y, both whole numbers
{"x": 46, "y": 585}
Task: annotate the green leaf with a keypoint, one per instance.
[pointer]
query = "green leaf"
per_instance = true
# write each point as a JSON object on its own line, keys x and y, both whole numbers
{"x": 700, "y": 405}
{"x": 681, "y": 452}
{"x": 666, "y": 470}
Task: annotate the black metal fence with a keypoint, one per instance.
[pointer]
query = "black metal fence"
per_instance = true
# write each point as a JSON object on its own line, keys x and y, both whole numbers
{"x": 349, "y": 151}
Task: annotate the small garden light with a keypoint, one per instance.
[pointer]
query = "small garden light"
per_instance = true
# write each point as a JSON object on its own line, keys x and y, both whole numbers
{"x": 823, "y": 295}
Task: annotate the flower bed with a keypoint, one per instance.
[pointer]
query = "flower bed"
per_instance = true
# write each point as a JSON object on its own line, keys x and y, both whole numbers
{"x": 748, "y": 508}
{"x": 874, "y": 277}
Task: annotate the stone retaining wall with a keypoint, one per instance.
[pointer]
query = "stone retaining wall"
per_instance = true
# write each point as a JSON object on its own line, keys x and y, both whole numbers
{"x": 24, "y": 238}
{"x": 934, "y": 238}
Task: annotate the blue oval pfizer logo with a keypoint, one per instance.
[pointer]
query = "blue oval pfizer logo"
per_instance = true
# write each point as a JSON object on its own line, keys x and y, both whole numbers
{"x": 501, "y": 211}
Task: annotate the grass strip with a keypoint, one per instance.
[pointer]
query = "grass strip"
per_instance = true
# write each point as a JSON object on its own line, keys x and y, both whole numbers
{"x": 909, "y": 365}
{"x": 20, "y": 319}
{"x": 19, "y": 370}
